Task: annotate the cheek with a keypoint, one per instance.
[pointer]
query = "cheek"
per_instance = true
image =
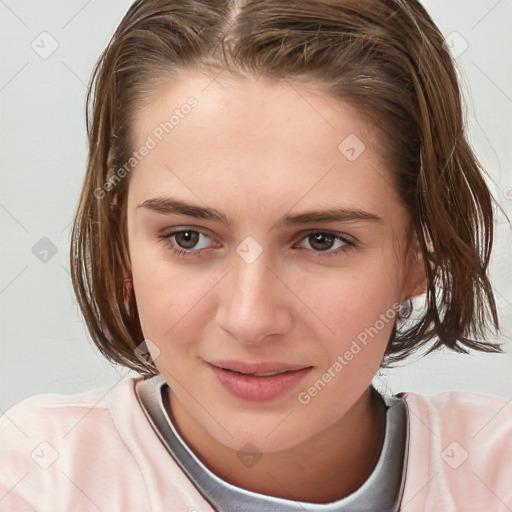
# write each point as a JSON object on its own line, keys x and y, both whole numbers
{"x": 353, "y": 301}
{"x": 359, "y": 308}
{"x": 362, "y": 314}
{"x": 170, "y": 298}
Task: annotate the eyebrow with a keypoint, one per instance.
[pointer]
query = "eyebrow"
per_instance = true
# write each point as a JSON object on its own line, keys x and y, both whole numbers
{"x": 170, "y": 205}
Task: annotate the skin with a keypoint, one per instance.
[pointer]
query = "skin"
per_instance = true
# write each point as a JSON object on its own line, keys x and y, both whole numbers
{"x": 257, "y": 150}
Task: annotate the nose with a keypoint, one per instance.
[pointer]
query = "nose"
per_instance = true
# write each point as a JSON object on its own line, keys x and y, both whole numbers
{"x": 254, "y": 302}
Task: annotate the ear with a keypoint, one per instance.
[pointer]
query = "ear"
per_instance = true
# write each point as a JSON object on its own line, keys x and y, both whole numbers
{"x": 416, "y": 275}
{"x": 111, "y": 170}
{"x": 127, "y": 292}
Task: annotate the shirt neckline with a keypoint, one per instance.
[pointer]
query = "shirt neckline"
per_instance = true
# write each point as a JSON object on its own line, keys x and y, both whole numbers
{"x": 382, "y": 490}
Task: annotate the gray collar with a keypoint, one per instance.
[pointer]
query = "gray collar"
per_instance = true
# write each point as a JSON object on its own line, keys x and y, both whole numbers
{"x": 381, "y": 491}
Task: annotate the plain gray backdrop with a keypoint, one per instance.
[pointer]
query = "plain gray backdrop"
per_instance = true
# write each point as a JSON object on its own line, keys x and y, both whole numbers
{"x": 48, "y": 49}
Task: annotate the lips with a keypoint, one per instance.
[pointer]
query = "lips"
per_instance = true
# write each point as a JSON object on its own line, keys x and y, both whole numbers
{"x": 257, "y": 368}
{"x": 257, "y": 381}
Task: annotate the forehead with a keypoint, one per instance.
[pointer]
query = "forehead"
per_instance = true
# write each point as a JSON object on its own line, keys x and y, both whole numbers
{"x": 256, "y": 136}
{"x": 260, "y": 108}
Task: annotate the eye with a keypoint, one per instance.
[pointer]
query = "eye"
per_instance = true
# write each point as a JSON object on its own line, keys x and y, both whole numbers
{"x": 324, "y": 242}
{"x": 188, "y": 239}
{"x": 185, "y": 242}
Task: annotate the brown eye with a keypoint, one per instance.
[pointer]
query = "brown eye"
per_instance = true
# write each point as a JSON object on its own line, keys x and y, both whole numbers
{"x": 186, "y": 242}
{"x": 186, "y": 239}
{"x": 321, "y": 241}
{"x": 326, "y": 244}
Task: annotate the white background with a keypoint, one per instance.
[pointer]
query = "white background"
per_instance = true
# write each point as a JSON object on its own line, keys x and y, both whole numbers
{"x": 44, "y": 345}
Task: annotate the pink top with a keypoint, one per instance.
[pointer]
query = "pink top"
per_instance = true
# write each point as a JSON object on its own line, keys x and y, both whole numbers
{"x": 97, "y": 451}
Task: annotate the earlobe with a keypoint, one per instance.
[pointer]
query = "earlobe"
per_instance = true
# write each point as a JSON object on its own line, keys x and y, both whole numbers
{"x": 418, "y": 289}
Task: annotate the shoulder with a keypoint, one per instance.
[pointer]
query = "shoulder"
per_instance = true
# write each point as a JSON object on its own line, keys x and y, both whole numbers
{"x": 464, "y": 411}
{"x": 64, "y": 442}
{"x": 460, "y": 451}
{"x": 50, "y": 412}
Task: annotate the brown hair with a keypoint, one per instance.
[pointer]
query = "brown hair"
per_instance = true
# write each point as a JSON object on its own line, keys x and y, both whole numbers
{"x": 387, "y": 57}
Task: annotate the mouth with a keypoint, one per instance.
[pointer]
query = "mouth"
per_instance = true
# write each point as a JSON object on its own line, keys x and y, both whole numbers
{"x": 257, "y": 381}
{"x": 258, "y": 369}
{"x": 260, "y": 374}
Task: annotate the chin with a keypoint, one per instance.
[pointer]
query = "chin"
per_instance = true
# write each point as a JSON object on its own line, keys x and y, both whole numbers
{"x": 265, "y": 437}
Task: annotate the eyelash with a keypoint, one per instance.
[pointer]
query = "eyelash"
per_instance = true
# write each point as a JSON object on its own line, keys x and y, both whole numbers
{"x": 165, "y": 238}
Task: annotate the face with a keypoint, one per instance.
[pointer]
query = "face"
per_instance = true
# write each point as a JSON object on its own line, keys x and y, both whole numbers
{"x": 265, "y": 234}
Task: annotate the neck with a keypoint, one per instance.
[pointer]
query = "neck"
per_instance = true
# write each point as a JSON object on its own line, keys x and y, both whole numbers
{"x": 327, "y": 467}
